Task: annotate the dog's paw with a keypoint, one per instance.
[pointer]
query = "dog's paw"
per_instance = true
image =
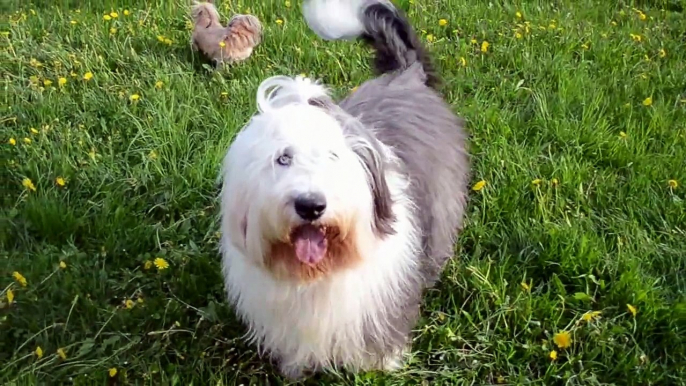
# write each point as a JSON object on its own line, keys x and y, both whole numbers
{"x": 293, "y": 373}
{"x": 395, "y": 361}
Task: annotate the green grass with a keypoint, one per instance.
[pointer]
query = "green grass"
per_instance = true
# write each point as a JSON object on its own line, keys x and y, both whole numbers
{"x": 563, "y": 104}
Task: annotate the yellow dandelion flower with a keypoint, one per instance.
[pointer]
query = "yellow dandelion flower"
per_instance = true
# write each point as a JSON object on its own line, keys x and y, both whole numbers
{"x": 113, "y": 371}
{"x": 484, "y": 46}
{"x": 642, "y": 15}
{"x": 518, "y": 35}
{"x": 463, "y": 61}
{"x": 60, "y": 181}
{"x": 673, "y": 184}
{"x": 63, "y": 265}
{"x": 613, "y": 23}
{"x": 554, "y": 181}
{"x": 113, "y": 31}
{"x": 126, "y": 12}
{"x": 39, "y": 352}
{"x": 33, "y": 130}
{"x": 10, "y": 296}
{"x": 536, "y": 182}
{"x": 590, "y": 316}
{"x": 632, "y": 309}
{"x": 161, "y": 263}
{"x": 159, "y": 84}
{"x": 160, "y": 38}
{"x": 114, "y": 15}
{"x": 430, "y": 38}
{"x": 443, "y": 22}
{"x": 129, "y": 304}
{"x": 12, "y": 142}
{"x": 19, "y": 277}
{"x": 525, "y": 286}
{"x": 140, "y": 300}
{"x": 88, "y": 76}
{"x": 563, "y": 339}
{"x": 61, "y": 353}
{"x": 222, "y": 44}
{"x": 168, "y": 42}
{"x": 107, "y": 17}
{"x": 152, "y": 155}
{"x": 279, "y": 21}
{"x": 73, "y": 22}
{"x": 28, "y": 184}
{"x": 648, "y": 101}
{"x": 35, "y": 63}
{"x": 287, "y": 4}
{"x": 622, "y": 135}
{"x": 636, "y": 37}
{"x": 47, "y": 83}
{"x": 134, "y": 97}
{"x": 62, "y": 81}
{"x": 473, "y": 41}
{"x": 553, "y": 355}
{"x": 662, "y": 53}
{"x": 147, "y": 265}
{"x": 479, "y": 185}
{"x": 27, "y": 141}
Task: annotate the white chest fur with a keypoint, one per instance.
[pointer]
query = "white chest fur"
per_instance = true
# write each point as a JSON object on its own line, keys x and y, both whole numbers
{"x": 325, "y": 323}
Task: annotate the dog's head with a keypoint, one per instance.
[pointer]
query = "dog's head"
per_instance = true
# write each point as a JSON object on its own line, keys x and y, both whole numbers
{"x": 305, "y": 190}
{"x": 246, "y": 26}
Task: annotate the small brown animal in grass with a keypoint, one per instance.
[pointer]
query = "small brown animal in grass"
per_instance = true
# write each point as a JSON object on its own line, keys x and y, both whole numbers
{"x": 230, "y": 44}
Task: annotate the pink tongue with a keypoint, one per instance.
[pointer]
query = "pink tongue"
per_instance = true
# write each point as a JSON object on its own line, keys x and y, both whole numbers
{"x": 310, "y": 245}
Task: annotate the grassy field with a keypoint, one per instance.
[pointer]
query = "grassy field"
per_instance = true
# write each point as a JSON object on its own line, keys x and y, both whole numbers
{"x": 571, "y": 269}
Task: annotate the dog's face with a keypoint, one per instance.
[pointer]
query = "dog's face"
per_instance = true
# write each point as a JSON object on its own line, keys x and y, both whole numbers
{"x": 301, "y": 195}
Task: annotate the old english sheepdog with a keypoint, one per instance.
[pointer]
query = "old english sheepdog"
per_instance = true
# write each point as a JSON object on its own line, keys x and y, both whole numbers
{"x": 336, "y": 216}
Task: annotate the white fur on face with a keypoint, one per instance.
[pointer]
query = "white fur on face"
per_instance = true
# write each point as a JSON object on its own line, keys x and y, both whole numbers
{"x": 259, "y": 191}
{"x": 323, "y": 323}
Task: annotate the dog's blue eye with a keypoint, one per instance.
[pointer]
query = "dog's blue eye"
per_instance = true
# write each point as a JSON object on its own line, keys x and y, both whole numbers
{"x": 284, "y": 160}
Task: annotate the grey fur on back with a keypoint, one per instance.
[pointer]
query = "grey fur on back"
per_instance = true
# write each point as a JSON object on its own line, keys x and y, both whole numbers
{"x": 402, "y": 112}
{"x": 402, "y": 109}
{"x": 429, "y": 138}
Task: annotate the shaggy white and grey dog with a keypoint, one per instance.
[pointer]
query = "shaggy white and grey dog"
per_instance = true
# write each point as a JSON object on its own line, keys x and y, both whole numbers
{"x": 336, "y": 217}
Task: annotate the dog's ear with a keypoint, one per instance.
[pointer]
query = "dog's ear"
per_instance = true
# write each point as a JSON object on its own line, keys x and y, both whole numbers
{"x": 381, "y": 194}
{"x": 370, "y": 154}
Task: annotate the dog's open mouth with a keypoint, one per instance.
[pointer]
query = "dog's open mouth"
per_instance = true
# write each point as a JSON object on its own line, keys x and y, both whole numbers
{"x": 310, "y": 243}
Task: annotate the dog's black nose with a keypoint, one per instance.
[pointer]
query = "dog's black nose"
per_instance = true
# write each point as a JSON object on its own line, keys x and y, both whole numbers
{"x": 310, "y": 206}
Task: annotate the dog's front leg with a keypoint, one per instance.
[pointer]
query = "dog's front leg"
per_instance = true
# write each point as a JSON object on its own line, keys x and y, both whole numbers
{"x": 194, "y": 45}
{"x": 293, "y": 373}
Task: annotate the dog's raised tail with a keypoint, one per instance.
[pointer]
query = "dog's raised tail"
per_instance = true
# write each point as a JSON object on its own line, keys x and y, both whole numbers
{"x": 378, "y": 22}
{"x": 204, "y": 14}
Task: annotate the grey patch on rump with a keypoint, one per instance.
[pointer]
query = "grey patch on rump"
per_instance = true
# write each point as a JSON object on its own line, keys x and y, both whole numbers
{"x": 400, "y": 111}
